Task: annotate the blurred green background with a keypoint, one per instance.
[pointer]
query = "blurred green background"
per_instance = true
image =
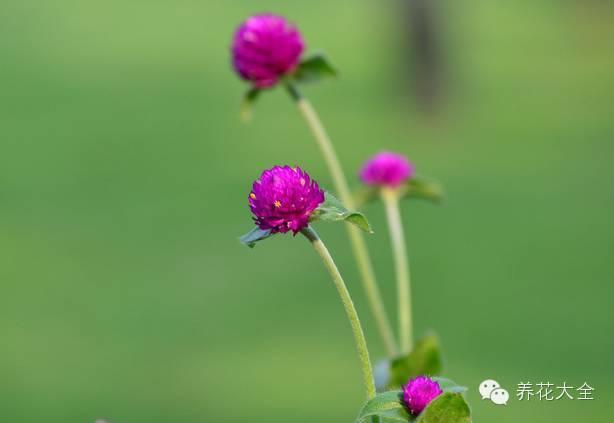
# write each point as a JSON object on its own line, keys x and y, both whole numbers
{"x": 124, "y": 172}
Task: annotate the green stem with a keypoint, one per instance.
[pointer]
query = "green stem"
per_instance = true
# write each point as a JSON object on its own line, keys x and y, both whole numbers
{"x": 359, "y": 246}
{"x": 397, "y": 237}
{"x": 350, "y": 310}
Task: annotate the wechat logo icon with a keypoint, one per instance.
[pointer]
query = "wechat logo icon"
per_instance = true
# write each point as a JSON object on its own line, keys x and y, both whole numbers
{"x": 491, "y": 390}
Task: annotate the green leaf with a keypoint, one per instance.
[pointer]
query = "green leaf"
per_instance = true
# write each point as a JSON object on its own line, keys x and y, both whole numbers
{"x": 424, "y": 360}
{"x": 446, "y": 408}
{"x": 425, "y": 189}
{"x": 252, "y": 237}
{"x": 359, "y": 219}
{"x": 418, "y": 187}
{"x": 249, "y": 99}
{"x": 387, "y": 405}
{"x": 331, "y": 210}
{"x": 448, "y": 385}
{"x": 314, "y": 68}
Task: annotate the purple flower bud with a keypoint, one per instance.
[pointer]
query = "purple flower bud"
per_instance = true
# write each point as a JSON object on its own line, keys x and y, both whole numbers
{"x": 386, "y": 169}
{"x": 419, "y": 392}
{"x": 265, "y": 48}
{"x": 283, "y": 199}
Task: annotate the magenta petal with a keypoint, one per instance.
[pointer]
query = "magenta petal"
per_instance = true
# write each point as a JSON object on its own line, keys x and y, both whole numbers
{"x": 387, "y": 169}
{"x": 265, "y": 48}
{"x": 419, "y": 392}
{"x": 283, "y": 199}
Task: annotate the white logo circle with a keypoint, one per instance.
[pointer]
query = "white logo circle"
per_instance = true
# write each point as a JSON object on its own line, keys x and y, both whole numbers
{"x": 487, "y": 387}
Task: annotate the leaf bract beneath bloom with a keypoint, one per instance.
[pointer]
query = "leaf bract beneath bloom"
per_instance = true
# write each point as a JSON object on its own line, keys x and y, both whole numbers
{"x": 332, "y": 210}
{"x": 314, "y": 68}
{"x": 255, "y": 235}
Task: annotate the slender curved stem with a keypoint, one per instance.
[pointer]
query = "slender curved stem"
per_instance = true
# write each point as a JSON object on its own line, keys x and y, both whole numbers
{"x": 357, "y": 241}
{"x": 397, "y": 237}
{"x": 350, "y": 310}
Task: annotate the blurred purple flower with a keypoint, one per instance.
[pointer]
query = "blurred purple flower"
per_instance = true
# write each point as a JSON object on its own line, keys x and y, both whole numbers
{"x": 283, "y": 198}
{"x": 386, "y": 169}
{"x": 419, "y": 392}
{"x": 265, "y": 48}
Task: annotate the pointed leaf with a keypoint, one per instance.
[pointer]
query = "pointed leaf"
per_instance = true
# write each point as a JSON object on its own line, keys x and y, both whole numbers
{"x": 314, "y": 68}
{"x": 249, "y": 99}
{"x": 446, "y": 408}
{"x": 418, "y": 187}
{"x": 331, "y": 210}
{"x": 359, "y": 219}
{"x": 425, "y": 189}
{"x": 424, "y": 360}
{"x": 387, "y": 405}
{"x": 448, "y": 385}
{"x": 252, "y": 237}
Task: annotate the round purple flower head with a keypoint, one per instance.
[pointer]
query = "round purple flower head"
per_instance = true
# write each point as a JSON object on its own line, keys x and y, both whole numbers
{"x": 386, "y": 169}
{"x": 419, "y": 392}
{"x": 283, "y": 199}
{"x": 265, "y": 48}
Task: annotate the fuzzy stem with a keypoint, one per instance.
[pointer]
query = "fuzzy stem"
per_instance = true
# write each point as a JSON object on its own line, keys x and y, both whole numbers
{"x": 357, "y": 240}
{"x": 350, "y": 310}
{"x": 397, "y": 237}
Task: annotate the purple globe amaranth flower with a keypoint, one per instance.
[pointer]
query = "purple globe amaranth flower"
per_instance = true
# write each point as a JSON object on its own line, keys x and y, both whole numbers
{"x": 283, "y": 199}
{"x": 386, "y": 169}
{"x": 265, "y": 48}
{"x": 419, "y": 392}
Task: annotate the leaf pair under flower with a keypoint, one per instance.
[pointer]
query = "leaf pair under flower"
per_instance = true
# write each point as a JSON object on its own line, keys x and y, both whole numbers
{"x": 313, "y": 68}
{"x": 449, "y": 407}
{"x": 418, "y": 187}
{"x": 331, "y": 210}
{"x": 424, "y": 359}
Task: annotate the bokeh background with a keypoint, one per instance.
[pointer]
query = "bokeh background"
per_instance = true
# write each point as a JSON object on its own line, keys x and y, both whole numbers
{"x": 124, "y": 171}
